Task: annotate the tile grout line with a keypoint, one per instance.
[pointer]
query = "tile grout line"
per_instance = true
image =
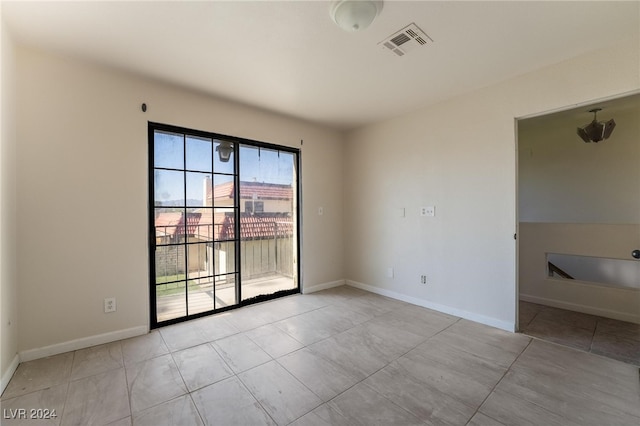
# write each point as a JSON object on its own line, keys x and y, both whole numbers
{"x": 499, "y": 381}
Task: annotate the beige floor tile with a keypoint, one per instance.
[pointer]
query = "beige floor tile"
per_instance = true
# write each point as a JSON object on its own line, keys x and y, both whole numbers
{"x": 179, "y": 411}
{"x": 513, "y": 410}
{"x": 360, "y": 353}
{"x": 447, "y": 380}
{"x": 323, "y": 377}
{"x": 201, "y": 366}
{"x": 97, "y": 400}
{"x": 143, "y": 347}
{"x": 419, "y": 398}
{"x": 320, "y": 324}
{"x": 96, "y": 360}
{"x": 620, "y": 346}
{"x": 554, "y": 370}
{"x": 323, "y": 416}
{"x": 575, "y": 319}
{"x": 215, "y": 327}
{"x": 283, "y": 397}
{"x": 39, "y": 374}
{"x": 481, "y": 420}
{"x": 480, "y": 369}
{"x": 273, "y": 341}
{"x": 496, "y": 346}
{"x": 577, "y": 404}
{"x": 557, "y": 360}
{"x": 527, "y": 312}
{"x": 420, "y": 321}
{"x": 48, "y": 405}
{"x": 153, "y": 382}
{"x": 122, "y": 422}
{"x": 364, "y": 406}
{"x": 240, "y": 353}
{"x": 229, "y": 403}
{"x": 182, "y": 336}
{"x": 559, "y": 332}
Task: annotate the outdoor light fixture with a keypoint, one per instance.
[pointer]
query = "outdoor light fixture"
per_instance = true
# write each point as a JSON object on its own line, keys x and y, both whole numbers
{"x": 596, "y": 130}
{"x": 224, "y": 149}
{"x": 354, "y": 15}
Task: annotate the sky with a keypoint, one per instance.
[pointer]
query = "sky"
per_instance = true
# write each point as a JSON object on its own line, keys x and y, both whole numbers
{"x": 173, "y": 152}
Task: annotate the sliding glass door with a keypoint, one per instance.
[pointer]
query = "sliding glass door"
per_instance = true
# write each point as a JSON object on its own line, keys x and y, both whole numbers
{"x": 223, "y": 222}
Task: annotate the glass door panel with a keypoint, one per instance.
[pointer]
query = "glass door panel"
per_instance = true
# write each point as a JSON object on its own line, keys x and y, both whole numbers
{"x": 218, "y": 238}
{"x": 268, "y": 203}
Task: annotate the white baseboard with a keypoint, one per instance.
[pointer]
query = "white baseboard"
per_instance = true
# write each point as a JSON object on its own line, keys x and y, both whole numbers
{"x": 607, "y": 313}
{"x": 82, "y": 343}
{"x": 7, "y": 375}
{"x": 323, "y": 286}
{"x": 493, "y": 322}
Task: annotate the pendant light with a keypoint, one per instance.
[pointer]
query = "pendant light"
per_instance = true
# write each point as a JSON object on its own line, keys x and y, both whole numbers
{"x": 596, "y": 131}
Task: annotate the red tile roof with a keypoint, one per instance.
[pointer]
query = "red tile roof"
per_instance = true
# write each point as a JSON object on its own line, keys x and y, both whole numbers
{"x": 258, "y": 227}
{"x": 221, "y": 227}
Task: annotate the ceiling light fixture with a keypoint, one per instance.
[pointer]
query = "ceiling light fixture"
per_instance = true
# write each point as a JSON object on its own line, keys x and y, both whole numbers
{"x": 224, "y": 150}
{"x": 596, "y": 130}
{"x": 354, "y": 15}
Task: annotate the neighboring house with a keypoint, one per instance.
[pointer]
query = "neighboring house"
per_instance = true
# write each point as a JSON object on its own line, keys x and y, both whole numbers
{"x": 266, "y": 230}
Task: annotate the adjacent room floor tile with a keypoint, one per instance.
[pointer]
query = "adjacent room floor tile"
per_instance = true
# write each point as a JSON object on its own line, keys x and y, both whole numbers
{"x": 559, "y": 332}
{"x": 97, "y": 400}
{"x": 280, "y": 393}
{"x": 229, "y": 403}
{"x": 622, "y": 346}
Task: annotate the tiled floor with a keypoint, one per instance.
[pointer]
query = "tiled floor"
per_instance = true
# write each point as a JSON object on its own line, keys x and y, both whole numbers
{"x": 603, "y": 336}
{"x": 337, "y": 357}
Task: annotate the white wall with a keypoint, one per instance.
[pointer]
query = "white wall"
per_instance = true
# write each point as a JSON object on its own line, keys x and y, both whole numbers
{"x": 8, "y": 273}
{"x": 597, "y": 240}
{"x": 459, "y": 156}
{"x": 562, "y": 179}
{"x": 83, "y": 188}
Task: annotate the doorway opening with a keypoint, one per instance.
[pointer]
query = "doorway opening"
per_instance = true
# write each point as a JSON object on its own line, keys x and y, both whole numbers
{"x": 578, "y": 217}
{"x": 223, "y": 221}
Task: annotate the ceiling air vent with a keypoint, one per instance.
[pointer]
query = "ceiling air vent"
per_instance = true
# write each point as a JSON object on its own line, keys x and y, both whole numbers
{"x": 405, "y": 40}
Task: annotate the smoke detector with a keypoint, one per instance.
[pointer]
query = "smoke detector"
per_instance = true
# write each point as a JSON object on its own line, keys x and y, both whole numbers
{"x": 405, "y": 40}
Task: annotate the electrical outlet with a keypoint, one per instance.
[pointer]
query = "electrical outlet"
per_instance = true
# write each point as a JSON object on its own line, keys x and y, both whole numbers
{"x": 109, "y": 305}
{"x": 428, "y": 211}
{"x": 423, "y": 279}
